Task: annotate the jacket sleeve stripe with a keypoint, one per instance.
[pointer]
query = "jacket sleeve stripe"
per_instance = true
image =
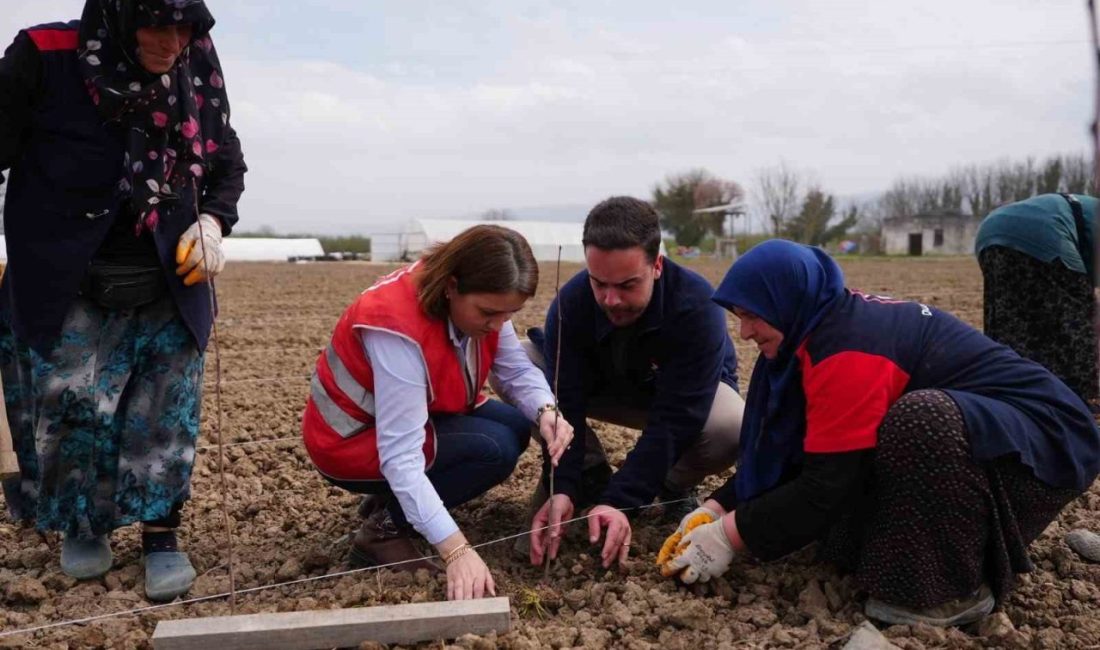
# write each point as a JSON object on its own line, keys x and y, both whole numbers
{"x": 48, "y": 40}
{"x": 847, "y": 396}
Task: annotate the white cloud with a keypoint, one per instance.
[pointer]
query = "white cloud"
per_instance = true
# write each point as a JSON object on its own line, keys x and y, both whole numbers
{"x": 464, "y": 107}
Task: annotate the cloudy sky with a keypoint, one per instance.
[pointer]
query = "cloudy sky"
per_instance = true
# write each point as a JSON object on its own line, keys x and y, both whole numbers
{"x": 358, "y": 114}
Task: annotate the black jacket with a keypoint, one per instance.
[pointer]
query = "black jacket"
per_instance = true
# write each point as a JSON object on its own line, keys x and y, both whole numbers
{"x": 681, "y": 351}
{"x": 62, "y": 195}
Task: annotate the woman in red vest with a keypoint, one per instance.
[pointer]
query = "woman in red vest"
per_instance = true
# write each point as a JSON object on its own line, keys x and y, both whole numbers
{"x": 396, "y": 409}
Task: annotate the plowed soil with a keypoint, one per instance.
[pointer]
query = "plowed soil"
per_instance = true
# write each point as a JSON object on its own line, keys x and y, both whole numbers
{"x": 289, "y": 524}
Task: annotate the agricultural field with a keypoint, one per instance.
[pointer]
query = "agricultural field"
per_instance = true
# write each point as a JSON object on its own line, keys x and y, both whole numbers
{"x": 290, "y": 525}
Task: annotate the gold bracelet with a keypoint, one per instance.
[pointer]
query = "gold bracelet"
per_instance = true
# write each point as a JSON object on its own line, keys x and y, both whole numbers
{"x": 456, "y": 553}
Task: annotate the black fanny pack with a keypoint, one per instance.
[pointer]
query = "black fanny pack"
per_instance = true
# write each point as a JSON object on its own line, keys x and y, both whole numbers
{"x": 113, "y": 286}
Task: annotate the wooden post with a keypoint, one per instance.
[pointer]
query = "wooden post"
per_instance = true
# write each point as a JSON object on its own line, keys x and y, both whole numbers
{"x": 9, "y": 464}
{"x": 336, "y": 628}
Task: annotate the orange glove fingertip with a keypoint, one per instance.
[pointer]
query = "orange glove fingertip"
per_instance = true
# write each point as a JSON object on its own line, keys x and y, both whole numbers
{"x": 183, "y": 250}
{"x": 668, "y": 547}
{"x": 194, "y": 277}
{"x": 667, "y": 571}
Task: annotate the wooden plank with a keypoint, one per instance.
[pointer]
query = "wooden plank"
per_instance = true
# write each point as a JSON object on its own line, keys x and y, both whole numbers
{"x": 9, "y": 464}
{"x": 334, "y": 628}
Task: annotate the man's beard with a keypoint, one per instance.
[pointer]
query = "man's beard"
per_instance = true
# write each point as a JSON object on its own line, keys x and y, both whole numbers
{"x": 622, "y": 316}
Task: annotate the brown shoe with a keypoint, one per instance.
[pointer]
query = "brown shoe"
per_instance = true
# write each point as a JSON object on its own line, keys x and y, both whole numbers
{"x": 371, "y": 504}
{"x": 379, "y": 542}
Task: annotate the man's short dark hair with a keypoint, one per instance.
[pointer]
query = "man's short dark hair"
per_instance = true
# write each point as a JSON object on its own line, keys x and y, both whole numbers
{"x": 623, "y": 222}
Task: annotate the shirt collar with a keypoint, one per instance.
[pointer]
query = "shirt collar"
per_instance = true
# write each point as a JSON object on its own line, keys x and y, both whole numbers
{"x": 457, "y": 337}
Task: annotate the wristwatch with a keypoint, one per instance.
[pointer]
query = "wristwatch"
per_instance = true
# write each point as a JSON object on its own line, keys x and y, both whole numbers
{"x": 543, "y": 409}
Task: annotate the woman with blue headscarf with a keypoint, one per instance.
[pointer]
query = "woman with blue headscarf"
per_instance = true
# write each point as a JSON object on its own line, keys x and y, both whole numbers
{"x": 925, "y": 456}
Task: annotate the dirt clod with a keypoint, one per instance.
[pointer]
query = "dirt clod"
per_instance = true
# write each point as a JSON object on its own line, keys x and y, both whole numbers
{"x": 867, "y": 637}
{"x": 25, "y": 591}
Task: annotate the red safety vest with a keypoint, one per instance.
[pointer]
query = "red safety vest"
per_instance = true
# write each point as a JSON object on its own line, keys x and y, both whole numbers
{"x": 338, "y": 424}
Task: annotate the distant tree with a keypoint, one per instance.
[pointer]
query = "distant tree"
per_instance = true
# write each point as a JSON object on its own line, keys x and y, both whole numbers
{"x": 681, "y": 194}
{"x": 1015, "y": 181}
{"x": 951, "y": 193}
{"x": 713, "y": 192}
{"x": 871, "y": 215}
{"x": 980, "y": 188}
{"x": 1077, "y": 174}
{"x": 497, "y": 214}
{"x": 777, "y": 190}
{"x": 1049, "y": 177}
{"x": 811, "y": 225}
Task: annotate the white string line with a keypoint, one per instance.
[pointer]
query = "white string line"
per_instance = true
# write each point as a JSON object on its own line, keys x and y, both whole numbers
{"x": 272, "y": 321}
{"x": 339, "y": 574}
{"x": 249, "y": 442}
{"x": 316, "y": 349}
{"x": 260, "y": 380}
{"x": 288, "y": 304}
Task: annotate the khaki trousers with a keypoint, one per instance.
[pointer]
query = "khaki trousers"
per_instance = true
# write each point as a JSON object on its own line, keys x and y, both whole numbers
{"x": 714, "y": 452}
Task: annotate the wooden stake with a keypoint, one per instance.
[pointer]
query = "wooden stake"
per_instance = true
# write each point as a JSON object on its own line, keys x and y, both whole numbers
{"x": 557, "y": 413}
{"x": 9, "y": 464}
{"x": 336, "y": 628}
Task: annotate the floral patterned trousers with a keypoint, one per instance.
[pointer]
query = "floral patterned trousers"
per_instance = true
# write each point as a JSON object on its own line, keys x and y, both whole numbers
{"x": 105, "y": 424}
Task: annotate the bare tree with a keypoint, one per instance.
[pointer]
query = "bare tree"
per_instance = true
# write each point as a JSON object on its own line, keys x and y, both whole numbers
{"x": 978, "y": 189}
{"x": 1015, "y": 181}
{"x": 1049, "y": 178}
{"x": 778, "y": 191}
{"x": 1077, "y": 174}
{"x": 983, "y": 187}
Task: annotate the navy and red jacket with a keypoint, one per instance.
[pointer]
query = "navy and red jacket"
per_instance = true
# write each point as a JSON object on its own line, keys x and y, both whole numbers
{"x": 862, "y": 357}
{"x": 681, "y": 351}
{"x": 62, "y": 196}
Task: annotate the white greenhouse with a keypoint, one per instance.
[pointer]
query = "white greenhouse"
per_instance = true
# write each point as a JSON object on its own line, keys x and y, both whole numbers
{"x": 257, "y": 249}
{"x": 544, "y": 237}
{"x": 249, "y": 249}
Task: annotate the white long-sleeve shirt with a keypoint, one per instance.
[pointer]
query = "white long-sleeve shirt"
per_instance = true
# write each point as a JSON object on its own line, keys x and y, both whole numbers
{"x": 401, "y": 405}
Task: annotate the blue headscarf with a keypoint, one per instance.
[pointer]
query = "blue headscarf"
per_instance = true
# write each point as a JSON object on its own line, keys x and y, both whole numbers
{"x": 791, "y": 287}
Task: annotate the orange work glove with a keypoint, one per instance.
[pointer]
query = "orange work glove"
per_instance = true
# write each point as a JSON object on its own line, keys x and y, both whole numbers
{"x": 703, "y": 553}
{"x": 190, "y": 250}
{"x": 691, "y": 520}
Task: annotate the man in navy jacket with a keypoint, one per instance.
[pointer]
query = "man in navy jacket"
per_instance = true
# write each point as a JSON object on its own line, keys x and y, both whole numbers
{"x": 642, "y": 346}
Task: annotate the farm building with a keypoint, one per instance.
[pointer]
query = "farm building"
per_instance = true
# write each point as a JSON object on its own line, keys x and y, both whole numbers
{"x": 263, "y": 249}
{"x": 934, "y": 233}
{"x": 544, "y": 237}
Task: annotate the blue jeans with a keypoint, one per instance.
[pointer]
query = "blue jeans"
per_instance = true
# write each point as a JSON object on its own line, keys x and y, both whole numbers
{"x": 474, "y": 453}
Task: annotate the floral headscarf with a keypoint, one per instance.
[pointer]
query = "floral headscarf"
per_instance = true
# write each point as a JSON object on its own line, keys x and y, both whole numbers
{"x": 174, "y": 121}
